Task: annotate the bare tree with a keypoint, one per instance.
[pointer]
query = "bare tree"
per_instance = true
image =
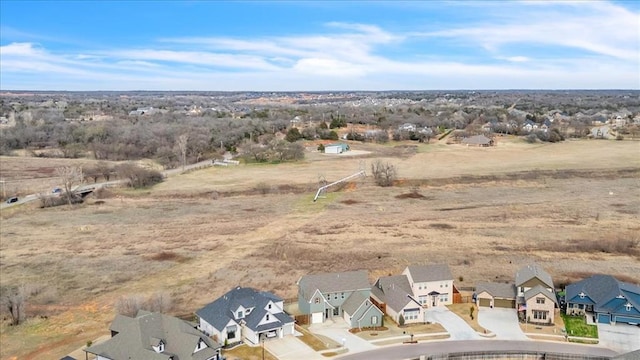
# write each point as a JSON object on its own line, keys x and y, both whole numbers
{"x": 129, "y": 305}
{"x": 13, "y": 300}
{"x": 70, "y": 176}
{"x": 159, "y": 302}
{"x": 384, "y": 174}
{"x": 182, "y": 143}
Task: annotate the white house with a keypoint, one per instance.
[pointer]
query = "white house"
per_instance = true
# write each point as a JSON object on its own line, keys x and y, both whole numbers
{"x": 432, "y": 285}
{"x": 338, "y": 148}
{"x": 245, "y": 314}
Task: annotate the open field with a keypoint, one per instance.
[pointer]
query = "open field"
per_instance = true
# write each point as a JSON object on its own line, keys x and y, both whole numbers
{"x": 572, "y": 207}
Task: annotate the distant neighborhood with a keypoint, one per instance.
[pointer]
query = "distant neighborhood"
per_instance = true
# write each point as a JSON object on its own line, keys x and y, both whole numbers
{"x": 347, "y": 300}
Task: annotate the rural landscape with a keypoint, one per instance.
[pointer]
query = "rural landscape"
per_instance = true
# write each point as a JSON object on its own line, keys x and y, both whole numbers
{"x": 188, "y": 195}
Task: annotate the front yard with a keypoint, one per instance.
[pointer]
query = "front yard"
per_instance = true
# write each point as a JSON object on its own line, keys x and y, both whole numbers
{"x": 577, "y": 326}
{"x": 393, "y": 330}
{"x": 244, "y": 352}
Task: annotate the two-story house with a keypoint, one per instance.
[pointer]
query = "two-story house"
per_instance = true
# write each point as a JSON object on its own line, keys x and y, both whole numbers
{"x": 432, "y": 285}
{"x": 245, "y": 314}
{"x": 328, "y": 295}
{"x": 154, "y": 336}
{"x": 535, "y": 298}
{"x": 419, "y": 287}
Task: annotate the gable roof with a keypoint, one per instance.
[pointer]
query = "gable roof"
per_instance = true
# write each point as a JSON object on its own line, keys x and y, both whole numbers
{"x": 136, "y": 336}
{"x": 426, "y": 273}
{"x": 603, "y": 288}
{"x": 477, "y": 140}
{"x": 353, "y": 302}
{"x": 533, "y": 271}
{"x": 500, "y": 290}
{"x": 394, "y": 291}
{"x": 539, "y": 289}
{"x": 333, "y": 282}
{"x": 221, "y": 311}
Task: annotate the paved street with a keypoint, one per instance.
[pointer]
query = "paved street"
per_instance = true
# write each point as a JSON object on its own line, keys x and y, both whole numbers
{"x": 502, "y": 322}
{"x": 455, "y": 326}
{"x": 408, "y": 351}
{"x": 619, "y": 337}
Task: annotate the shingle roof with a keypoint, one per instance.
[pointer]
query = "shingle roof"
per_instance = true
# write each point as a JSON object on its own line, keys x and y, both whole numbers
{"x": 533, "y": 271}
{"x": 499, "y": 290}
{"x": 221, "y": 311}
{"x": 426, "y": 273}
{"x": 135, "y": 336}
{"x": 353, "y": 302}
{"x": 394, "y": 291}
{"x": 333, "y": 282}
{"x": 539, "y": 289}
{"x": 603, "y": 288}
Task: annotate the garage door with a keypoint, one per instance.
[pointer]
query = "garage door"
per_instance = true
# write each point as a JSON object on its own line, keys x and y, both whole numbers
{"x": 484, "y": 302}
{"x": 316, "y": 318}
{"x": 505, "y": 303}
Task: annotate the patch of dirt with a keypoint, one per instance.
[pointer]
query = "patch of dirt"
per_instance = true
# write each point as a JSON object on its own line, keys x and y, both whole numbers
{"x": 411, "y": 195}
{"x": 349, "y": 202}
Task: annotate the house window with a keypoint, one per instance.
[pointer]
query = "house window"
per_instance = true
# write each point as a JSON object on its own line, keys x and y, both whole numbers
{"x": 316, "y": 300}
{"x": 628, "y": 306}
{"x": 335, "y": 296}
{"x": 540, "y": 315}
{"x": 374, "y": 320}
{"x": 446, "y": 285}
{"x": 522, "y": 289}
{"x": 336, "y": 311}
{"x": 267, "y": 317}
{"x": 240, "y": 314}
{"x": 269, "y": 307}
{"x": 540, "y": 300}
{"x": 343, "y": 295}
{"x": 581, "y": 295}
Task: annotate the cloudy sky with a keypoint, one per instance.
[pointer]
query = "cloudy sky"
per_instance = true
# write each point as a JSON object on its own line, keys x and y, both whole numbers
{"x": 313, "y": 45}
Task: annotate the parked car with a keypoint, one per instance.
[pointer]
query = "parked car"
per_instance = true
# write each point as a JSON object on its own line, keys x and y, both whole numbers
{"x": 12, "y": 200}
{"x": 56, "y": 190}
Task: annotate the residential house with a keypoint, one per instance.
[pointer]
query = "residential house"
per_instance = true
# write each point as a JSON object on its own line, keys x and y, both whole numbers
{"x": 534, "y": 305}
{"x": 529, "y": 126}
{"x": 605, "y": 298}
{"x": 431, "y": 285}
{"x": 478, "y": 140}
{"x": 245, "y": 314}
{"x": 328, "y": 295}
{"x": 500, "y": 295}
{"x": 154, "y": 336}
{"x": 407, "y": 127}
{"x": 337, "y": 148}
{"x": 395, "y": 296}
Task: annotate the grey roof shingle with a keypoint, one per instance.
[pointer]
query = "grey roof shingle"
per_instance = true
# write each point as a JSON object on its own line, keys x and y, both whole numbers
{"x": 353, "y": 302}
{"x": 221, "y": 311}
{"x": 497, "y": 290}
{"x": 602, "y": 288}
{"x": 533, "y": 271}
{"x": 135, "y": 336}
{"x": 394, "y": 291}
{"x": 426, "y": 273}
{"x": 333, "y": 282}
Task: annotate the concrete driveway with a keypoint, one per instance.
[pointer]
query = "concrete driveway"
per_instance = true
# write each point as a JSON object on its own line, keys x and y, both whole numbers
{"x": 502, "y": 322}
{"x": 291, "y": 348}
{"x": 338, "y": 331}
{"x": 455, "y": 326}
{"x": 619, "y": 337}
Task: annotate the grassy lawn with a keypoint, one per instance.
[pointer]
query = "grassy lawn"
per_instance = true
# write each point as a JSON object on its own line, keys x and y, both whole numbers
{"x": 245, "y": 352}
{"x": 576, "y": 326}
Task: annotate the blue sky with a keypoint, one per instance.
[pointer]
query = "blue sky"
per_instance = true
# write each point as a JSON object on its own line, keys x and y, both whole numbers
{"x": 315, "y": 45}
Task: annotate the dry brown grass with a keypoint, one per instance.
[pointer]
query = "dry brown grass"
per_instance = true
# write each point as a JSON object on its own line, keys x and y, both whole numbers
{"x": 89, "y": 255}
{"x": 245, "y": 352}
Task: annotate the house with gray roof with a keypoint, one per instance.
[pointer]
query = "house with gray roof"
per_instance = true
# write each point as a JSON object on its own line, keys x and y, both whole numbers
{"x": 529, "y": 281}
{"x": 360, "y": 312}
{"x": 245, "y": 314}
{"x": 606, "y": 298}
{"x": 323, "y": 296}
{"x": 500, "y": 295}
{"x": 478, "y": 140}
{"x": 395, "y": 296}
{"x": 431, "y": 285}
{"x": 154, "y": 336}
